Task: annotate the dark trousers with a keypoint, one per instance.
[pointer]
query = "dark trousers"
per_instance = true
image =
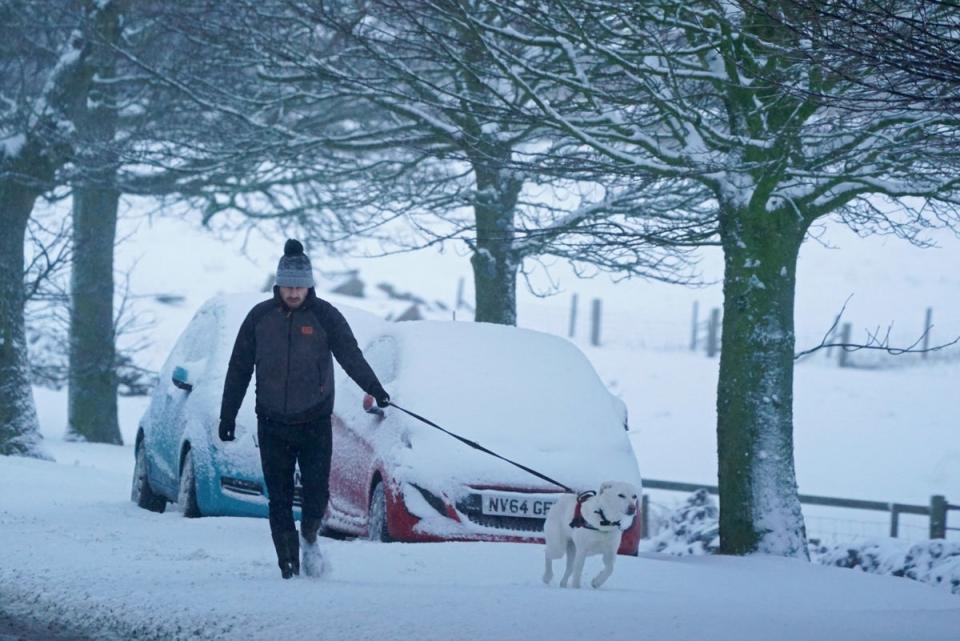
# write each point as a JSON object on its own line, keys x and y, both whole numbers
{"x": 281, "y": 448}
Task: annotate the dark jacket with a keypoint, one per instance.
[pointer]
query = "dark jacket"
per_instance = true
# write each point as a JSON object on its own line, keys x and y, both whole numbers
{"x": 291, "y": 349}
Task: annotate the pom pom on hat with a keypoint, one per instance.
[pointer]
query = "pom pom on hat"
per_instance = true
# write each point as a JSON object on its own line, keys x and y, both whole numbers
{"x": 292, "y": 247}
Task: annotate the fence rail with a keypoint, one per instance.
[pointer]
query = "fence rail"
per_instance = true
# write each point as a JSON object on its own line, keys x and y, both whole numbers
{"x": 937, "y": 509}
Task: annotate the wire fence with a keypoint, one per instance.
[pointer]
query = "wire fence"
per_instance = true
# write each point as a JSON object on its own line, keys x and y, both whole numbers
{"x": 698, "y": 329}
{"x": 837, "y": 529}
{"x": 831, "y": 519}
{"x": 849, "y": 530}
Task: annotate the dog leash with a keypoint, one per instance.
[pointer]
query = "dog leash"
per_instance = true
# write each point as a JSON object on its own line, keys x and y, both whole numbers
{"x": 477, "y": 446}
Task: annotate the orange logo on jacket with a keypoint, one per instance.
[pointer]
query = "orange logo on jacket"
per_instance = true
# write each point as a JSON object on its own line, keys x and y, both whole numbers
{"x": 306, "y": 330}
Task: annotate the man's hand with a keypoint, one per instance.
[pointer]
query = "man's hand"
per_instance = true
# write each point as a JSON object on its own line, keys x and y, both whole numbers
{"x": 227, "y": 429}
{"x": 381, "y": 396}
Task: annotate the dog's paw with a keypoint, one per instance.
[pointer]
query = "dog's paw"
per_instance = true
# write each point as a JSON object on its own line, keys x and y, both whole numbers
{"x": 547, "y": 578}
{"x": 596, "y": 583}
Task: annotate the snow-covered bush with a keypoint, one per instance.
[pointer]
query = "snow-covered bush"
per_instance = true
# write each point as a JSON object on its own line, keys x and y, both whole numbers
{"x": 878, "y": 556}
{"x": 935, "y": 561}
{"x": 693, "y": 528}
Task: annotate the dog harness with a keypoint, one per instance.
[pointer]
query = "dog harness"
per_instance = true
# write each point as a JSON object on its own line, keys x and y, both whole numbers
{"x": 579, "y": 521}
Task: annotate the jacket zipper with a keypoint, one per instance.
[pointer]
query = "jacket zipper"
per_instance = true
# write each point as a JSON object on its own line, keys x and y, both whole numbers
{"x": 286, "y": 379}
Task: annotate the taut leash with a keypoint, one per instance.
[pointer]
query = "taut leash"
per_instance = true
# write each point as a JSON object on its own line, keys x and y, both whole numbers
{"x": 477, "y": 446}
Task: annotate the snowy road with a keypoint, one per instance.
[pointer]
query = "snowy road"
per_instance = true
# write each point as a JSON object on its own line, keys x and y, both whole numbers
{"x": 27, "y": 628}
{"x": 77, "y": 555}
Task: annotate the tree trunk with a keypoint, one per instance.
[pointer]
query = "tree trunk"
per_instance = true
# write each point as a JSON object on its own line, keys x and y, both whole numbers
{"x": 19, "y": 428}
{"x": 759, "y": 504}
{"x": 494, "y": 261}
{"x": 92, "y": 397}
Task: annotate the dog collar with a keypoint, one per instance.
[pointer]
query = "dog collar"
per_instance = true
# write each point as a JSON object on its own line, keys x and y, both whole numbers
{"x": 579, "y": 521}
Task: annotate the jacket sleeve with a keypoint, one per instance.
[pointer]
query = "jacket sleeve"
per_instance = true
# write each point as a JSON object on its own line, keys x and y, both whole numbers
{"x": 239, "y": 370}
{"x": 344, "y": 346}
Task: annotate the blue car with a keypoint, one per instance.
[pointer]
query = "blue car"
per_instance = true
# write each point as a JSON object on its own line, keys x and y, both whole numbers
{"x": 179, "y": 456}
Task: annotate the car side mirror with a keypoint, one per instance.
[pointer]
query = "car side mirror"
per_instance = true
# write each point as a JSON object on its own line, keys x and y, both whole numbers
{"x": 181, "y": 378}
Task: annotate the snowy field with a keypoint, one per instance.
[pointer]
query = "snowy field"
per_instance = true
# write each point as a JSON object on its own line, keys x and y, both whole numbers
{"x": 75, "y": 551}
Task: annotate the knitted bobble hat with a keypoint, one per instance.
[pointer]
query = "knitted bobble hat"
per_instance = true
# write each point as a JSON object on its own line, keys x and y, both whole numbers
{"x": 294, "y": 269}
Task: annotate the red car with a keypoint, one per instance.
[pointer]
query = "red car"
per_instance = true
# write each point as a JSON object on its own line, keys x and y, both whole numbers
{"x": 528, "y": 396}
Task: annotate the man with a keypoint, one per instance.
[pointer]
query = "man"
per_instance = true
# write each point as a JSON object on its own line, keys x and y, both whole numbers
{"x": 289, "y": 339}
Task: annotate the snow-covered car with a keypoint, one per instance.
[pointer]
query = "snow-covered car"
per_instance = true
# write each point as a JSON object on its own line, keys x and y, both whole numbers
{"x": 528, "y": 396}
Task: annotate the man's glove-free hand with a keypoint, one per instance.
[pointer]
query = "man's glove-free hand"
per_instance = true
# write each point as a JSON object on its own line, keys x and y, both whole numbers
{"x": 227, "y": 429}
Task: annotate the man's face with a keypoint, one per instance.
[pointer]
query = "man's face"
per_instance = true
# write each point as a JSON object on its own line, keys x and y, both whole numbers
{"x": 293, "y": 296}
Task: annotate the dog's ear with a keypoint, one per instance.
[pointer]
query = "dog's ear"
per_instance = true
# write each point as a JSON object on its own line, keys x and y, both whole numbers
{"x": 606, "y": 485}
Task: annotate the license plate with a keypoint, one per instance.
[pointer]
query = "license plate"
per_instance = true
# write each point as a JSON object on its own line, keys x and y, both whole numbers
{"x": 528, "y": 506}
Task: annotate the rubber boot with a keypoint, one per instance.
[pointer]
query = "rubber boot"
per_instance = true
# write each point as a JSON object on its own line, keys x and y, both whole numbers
{"x": 293, "y": 548}
{"x": 309, "y": 528}
{"x": 288, "y": 555}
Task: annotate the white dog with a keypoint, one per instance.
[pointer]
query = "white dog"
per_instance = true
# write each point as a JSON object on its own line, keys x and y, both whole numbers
{"x": 587, "y": 524}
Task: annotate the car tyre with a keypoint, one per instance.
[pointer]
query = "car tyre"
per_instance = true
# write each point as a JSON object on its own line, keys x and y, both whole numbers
{"x": 141, "y": 493}
{"x": 377, "y": 529}
{"x": 187, "y": 491}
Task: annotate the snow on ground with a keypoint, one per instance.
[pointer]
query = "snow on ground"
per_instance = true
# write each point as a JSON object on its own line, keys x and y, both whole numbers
{"x": 694, "y": 528}
{"x": 74, "y": 551}
{"x": 73, "y": 548}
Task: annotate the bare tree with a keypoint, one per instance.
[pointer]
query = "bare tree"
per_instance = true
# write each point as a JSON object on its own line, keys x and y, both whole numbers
{"x": 382, "y": 119}
{"x": 903, "y": 51}
{"x": 70, "y": 118}
{"x": 717, "y": 98}
{"x": 44, "y": 59}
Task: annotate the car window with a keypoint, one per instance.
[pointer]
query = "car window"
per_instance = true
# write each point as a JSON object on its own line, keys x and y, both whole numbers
{"x": 196, "y": 345}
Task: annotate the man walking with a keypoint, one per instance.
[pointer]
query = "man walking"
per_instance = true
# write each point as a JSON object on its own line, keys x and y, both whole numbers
{"x": 289, "y": 339}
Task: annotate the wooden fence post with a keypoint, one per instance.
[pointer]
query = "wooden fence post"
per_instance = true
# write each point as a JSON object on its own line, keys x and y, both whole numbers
{"x": 938, "y": 517}
{"x": 595, "y": 330}
{"x": 845, "y": 340}
{"x": 695, "y": 331}
{"x": 645, "y": 517}
{"x": 927, "y": 324}
{"x": 894, "y": 520}
{"x": 713, "y": 333}
{"x": 459, "y": 294}
{"x": 573, "y": 316}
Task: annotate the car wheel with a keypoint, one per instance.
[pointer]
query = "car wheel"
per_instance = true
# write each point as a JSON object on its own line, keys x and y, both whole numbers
{"x": 187, "y": 492}
{"x": 140, "y": 492}
{"x": 377, "y": 518}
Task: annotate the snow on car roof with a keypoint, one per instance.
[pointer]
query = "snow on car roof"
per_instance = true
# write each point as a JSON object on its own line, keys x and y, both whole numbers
{"x": 529, "y": 396}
